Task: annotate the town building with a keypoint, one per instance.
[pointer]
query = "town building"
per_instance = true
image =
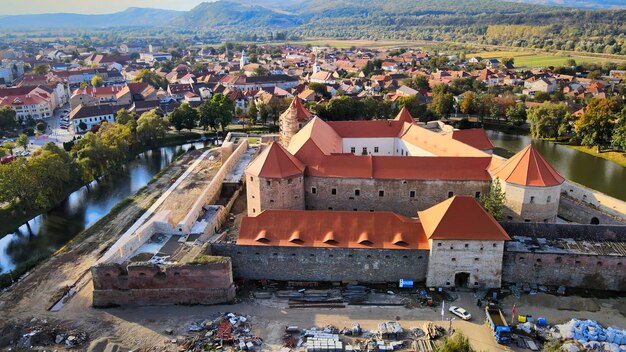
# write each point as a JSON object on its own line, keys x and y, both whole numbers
{"x": 91, "y": 116}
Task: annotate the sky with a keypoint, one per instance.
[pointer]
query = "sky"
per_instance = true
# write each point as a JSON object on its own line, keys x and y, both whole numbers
{"x": 16, "y": 7}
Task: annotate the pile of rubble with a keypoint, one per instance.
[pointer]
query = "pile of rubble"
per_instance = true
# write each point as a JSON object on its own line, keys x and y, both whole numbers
{"x": 41, "y": 333}
{"x": 227, "y": 331}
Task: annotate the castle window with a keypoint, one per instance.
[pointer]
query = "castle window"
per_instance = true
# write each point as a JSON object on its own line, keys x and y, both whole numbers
{"x": 477, "y": 195}
{"x": 313, "y": 190}
{"x": 538, "y": 260}
{"x": 355, "y": 209}
{"x": 333, "y": 191}
{"x": 509, "y": 217}
{"x": 375, "y": 149}
{"x": 289, "y": 181}
{"x": 330, "y": 208}
{"x": 577, "y": 262}
{"x": 269, "y": 183}
{"x": 357, "y": 192}
{"x": 412, "y": 194}
{"x": 476, "y": 259}
{"x": 419, "y": 257}
{"x": 251, "y": 178}
{"x": 439, "y": 244}
{"x": 526, "y": 220}
{"x": 352, "y": 150}
{"x": 253, "y": 210}
{"x": 405, "y": 257}
{"x": 381, "y": 193}
{"x": 467, "y": 245}
{"x": 532, "y": 199}
{"x": 495, "y": 245}
{"x": 454, "y": 259}
{"x": 364, "y": 151}
{"x": 521, "y": 260}
{"x": 599, "y": 263}
{"x": 558, "y": 260}
{"x": 271, "y": 201}
{"x": 549, "y": 199}
{"x": 450, "y": 194}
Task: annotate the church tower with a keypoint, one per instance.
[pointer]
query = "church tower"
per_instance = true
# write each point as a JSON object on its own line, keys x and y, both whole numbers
{"x": 244, "y": 59}
{"x": 292, "y": 120}
{"x": 316, "y": 65}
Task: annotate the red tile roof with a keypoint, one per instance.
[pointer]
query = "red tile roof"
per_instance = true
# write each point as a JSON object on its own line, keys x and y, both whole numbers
{"x": 461, "y": 218}
{"x": 405, "y": 116}
{"x": 475, "y": 137}
{"x": 297, "y": 110}
{"x": 339, "y": 229}
{"x": 528, "y": 168}
{"x": 275, "y": 162}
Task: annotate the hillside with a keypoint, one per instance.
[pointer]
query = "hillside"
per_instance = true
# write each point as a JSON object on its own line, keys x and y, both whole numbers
{"x": 230, "y": 13}
{"x": 133, "y": 16}
{"x": 583, "y": 4}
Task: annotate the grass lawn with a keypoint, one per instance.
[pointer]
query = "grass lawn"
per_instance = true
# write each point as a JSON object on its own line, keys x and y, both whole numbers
{"x": 616, "y": 157}
{"x": 527, "y": 59}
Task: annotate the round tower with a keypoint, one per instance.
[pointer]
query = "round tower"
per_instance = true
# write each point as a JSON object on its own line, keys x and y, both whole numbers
{"x": 531, "y": 185}
{"x": 292, "y": 120}
{"x": 275, "y": 180}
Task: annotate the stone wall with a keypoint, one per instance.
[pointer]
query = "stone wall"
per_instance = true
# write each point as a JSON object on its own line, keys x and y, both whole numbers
{"x": 324, "y": 264}
{"x": 585, "y": 213}
{"x": 480, "y": 260}
{"x": 148, "y": 284}
{"x": 531, "y": 204}
{"x": 574, "y": 231}
{"x": 271, "y": 193}
{"x": 554, "y": 269}
{"x": 396, "y": 198}
{"x": 610, "y": 205}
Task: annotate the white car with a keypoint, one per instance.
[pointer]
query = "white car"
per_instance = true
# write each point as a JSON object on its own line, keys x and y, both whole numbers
{"x": 460, "y": 312}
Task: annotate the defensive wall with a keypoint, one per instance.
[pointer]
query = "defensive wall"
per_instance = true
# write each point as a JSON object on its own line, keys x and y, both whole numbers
{"x": 572, "y": 255}
{"x": 143, "y": 283}
{"x": 324, "y": 264}
{"x": 598, "y": 200}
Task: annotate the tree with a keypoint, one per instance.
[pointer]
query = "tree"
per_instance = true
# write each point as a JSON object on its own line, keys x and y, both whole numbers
{"x": 507, "y": 61}
{"x": 253, "y": 112}
{"x": 419, "y": 82}
{"x": 123, "y": 116}
{"x": 152, "y": 78}
{"x": 595, "y": 126}
{"x": 41, "y": 69}
{"x": 9, "y": 146}
{"x": 97, "y": 81}
{"x": 468, "y": 105}
{"x": 457, "y": 343}
{"x": 442, "y": 103}
{"x": 541, "y": 97}
{"x": 261, "y": 71}
{"x": 546, "y": 119}
{"x": 41, "y": 126}
{"x": 319, "y": 88}
{"x": 495, "y": 200}
{"x": 619, "y": 133}
{"x": 183, "y": 116}
{"x": 150, "y": 127}
{"x": 516, "y": 115}
{"x": 225, "y": 108}
{"x": 416, "y": 108}
{"x": 8, "y": 120}
{"x": 22, "y": 141}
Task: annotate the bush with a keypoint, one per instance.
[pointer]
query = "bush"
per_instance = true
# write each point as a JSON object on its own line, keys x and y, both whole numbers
{"x": 457, "y": 343}
{"x": 41, "y": 126}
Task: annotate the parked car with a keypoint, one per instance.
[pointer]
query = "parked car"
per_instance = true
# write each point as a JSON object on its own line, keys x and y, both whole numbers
{"x": 460, "y": 312}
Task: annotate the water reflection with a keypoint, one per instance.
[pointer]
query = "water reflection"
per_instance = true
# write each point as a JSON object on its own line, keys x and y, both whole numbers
{"x": 588, "y": 170}
{"x": 48, "y": 232}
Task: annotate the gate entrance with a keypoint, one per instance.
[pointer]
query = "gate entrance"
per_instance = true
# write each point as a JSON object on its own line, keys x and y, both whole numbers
{"x": 461, "y": 279}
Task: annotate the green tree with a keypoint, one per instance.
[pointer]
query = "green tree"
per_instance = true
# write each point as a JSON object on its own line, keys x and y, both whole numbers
{"x": 419, "y": 82}
{"x": 442, "y": 103}
{"x": 619, "y": 133}
{"x": 97, "y": 81}
{"x": 41, "y": 126}
{"x": 456, "y": 343}
{"x": 595, "y": 126}
{"x": 516, "y": 115}
{"x": 253, "y": 111}
{"x": 541, "y": 97}
{"x": 8, "y": 120}
{"x": 494, "y": 201}
{"x": 546, "y": 119}
{"x": 416, "y": 108}
{"x": 41, "y": 69}
{"x": 150, "y": 127}
{"x": 264, "y": 112}
{"x": 123, "y": 116}
{"x": 152, "y": 78}
{"x": 319, "y": 88}
{"x": 183, "y": 116}
{"x": 9, "y": 146}
{"x": 261, "y": 71}
{"x": 507, "y": 61}
{"x": 22, "y": 141}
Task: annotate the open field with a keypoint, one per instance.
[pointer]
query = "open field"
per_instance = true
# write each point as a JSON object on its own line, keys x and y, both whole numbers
{"x": 616, "y": 157}
{"x": 526, "y": 59}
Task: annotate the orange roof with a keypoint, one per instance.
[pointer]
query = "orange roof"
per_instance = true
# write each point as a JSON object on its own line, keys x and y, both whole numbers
{"x": 398, "y": 167}
{"x": 367, "y": 129}
{"x": 528, "y": 168}
{"x": 322, "y": 135}
{"x": 404, "y": 115}
{"x": 475, "y": 137}
{"x": 438, "y": 144}
{"x": 275, "y": 162}
{"x": 461, "y": 218}
{"x": 340, "y": 229}
{"x": 297, "y": 110}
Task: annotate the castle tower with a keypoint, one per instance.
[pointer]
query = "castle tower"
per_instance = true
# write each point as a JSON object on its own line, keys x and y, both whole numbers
{"x": 532, "y": 186}
{"x": 466, "y": 244}
{"x": 275, "y": 180}
{"x": 244, "y": 59}
{"x": 292, "y": 120}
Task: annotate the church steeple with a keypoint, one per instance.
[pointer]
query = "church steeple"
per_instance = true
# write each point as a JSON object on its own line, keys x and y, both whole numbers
{"x": 244, "y": 59}
{"x": 316, "y": 65}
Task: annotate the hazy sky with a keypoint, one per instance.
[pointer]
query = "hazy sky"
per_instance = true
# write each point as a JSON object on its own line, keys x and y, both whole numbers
{"x": 14, "y": 7}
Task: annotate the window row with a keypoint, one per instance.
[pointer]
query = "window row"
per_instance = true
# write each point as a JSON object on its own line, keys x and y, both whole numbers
{"x": 381, "y": 193}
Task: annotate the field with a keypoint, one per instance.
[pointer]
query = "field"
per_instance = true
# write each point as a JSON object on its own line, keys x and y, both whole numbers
{"x": 525, "y": 59}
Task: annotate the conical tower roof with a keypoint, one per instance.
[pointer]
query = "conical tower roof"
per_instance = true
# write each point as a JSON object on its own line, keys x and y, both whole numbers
{"x": 404, "y": 115}
{"x": 296, "y": 111}
{"x": 528, "y": 168}
{"x": 275, "y": 162}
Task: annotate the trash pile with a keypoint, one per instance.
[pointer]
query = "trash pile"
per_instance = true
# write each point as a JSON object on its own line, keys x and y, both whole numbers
{"x": 227, "y": 331}
{"x": 39, "y": 333}
{"x": 590, "y": 336}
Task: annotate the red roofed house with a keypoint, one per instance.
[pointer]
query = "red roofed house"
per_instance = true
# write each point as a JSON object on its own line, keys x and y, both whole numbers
{"x": 532, "y": 186}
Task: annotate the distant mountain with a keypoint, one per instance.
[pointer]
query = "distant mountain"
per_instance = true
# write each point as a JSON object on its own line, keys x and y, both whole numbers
{"x": 133, "y": 16}
{"x": 585, "y": 4}
{"x": 230, "y": 13}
